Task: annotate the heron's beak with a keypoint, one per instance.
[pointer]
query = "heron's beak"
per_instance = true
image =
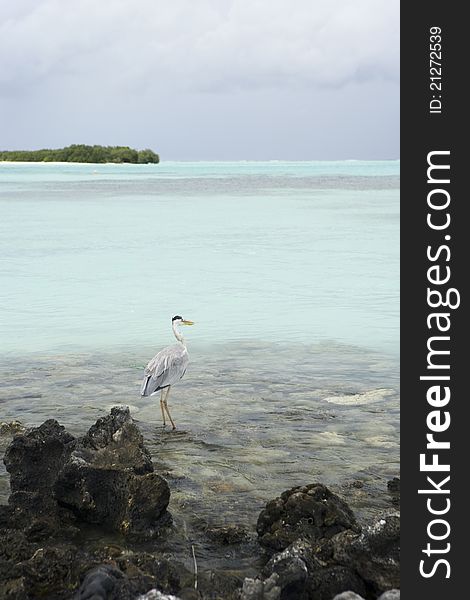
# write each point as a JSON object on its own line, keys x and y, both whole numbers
{"x": 187, "y": 322}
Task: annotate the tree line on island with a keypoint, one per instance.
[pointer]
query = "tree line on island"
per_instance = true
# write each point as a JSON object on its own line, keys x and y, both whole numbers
{"x": 84, "y": 154}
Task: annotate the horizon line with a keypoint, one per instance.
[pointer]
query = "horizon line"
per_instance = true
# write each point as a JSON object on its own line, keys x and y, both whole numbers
{"x": 198, "y": 160}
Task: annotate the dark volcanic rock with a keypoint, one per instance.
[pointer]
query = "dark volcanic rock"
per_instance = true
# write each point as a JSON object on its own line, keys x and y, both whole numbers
{"x": 61, "y": 484}
{"x": 147, "y": 571}
{"x": 58, "y": 483}
{"x": 14, "y": 546}
{"x": 304, "y": 575}
{"x": 311, "y": 512}
{"x": 291, "y": 568}
{"x": 113, "y": 498}
{"x": 374, "y": 554}
{"x": 225, "y": 583}
{"x": 35, "y": 458}
{"x": 329, "y": 554}
{"x": 325, "y": 583}
{"x": 115, "y": 440}
{"x": 105, "y": 478}
{"x": 53, "y": 571}
{"x": 109, "y": 479}
{"x": 256, "y": 589}
{"x": 99, "y": 583}
{"x": 52, "y": 568}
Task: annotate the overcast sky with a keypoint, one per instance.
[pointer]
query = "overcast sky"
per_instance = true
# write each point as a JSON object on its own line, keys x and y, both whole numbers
{"x": 203, "y": 79}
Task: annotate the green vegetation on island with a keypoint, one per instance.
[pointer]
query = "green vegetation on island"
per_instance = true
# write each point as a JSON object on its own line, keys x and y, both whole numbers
{"x": 80, "y": 153}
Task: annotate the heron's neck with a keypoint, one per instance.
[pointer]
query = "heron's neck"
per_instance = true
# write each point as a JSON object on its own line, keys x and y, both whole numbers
{"x": 178, "y": 334}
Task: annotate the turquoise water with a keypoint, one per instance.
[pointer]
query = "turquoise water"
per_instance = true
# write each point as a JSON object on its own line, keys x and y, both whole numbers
{"x": 104, "y": 255}
{"x": 290, "y": 271}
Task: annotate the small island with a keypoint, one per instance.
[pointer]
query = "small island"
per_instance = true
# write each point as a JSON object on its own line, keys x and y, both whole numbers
{"x": 81, "y": 153}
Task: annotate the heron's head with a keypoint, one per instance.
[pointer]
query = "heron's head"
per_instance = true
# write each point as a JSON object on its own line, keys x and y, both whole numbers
{"x": 180, "y": 321}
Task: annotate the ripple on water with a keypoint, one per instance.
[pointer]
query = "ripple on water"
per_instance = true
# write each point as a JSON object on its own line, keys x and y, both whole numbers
{"x": 243, "y": 435}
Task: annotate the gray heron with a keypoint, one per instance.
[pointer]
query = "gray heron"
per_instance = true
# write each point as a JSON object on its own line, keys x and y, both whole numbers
{"x": 166, "y": 368}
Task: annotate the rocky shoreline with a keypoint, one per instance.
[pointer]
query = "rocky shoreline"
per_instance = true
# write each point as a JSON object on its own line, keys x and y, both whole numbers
{"x": 64, "y": 490}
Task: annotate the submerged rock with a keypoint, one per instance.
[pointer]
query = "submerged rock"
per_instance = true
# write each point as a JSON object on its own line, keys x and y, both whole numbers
{"x": 228, "y": 534}
{"x": 310, "y": 512}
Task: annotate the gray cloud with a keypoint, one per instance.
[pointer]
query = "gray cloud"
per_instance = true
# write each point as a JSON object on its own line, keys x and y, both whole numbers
{"x": 102, "y": 58}
{"x": 204, "y": 45}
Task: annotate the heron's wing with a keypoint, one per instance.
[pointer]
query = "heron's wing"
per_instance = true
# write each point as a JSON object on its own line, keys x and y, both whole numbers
{"x": 165, "y": 368}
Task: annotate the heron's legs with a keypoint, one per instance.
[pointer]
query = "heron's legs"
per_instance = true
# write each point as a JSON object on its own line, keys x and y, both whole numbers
{"x": 161, "y": 407}
{"x": 166, "y": 407}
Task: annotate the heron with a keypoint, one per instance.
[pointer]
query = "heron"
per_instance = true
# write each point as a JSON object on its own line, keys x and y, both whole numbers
{"x": 166, "y": 368}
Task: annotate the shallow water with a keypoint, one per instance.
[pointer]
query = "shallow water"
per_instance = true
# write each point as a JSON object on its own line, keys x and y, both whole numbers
{"x": 290, "y": 271}
{"x": 253, "y": 420}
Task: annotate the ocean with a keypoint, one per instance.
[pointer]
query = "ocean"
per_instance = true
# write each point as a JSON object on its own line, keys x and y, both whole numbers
{"x": 290, "y": 271}
{"x": 102, "y": 256}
